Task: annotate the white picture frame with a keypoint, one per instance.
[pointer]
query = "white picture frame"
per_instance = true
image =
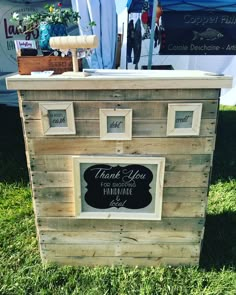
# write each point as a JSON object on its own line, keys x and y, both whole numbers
{"x": 115, "y": 124}
{"x": 97, "y": 197}
{"x": 57, "y": 118}
{"x": 184, "y": 119}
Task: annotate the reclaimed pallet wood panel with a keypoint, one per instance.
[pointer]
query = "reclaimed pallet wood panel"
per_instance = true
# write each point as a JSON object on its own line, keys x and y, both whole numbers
{"x": 113, "y": 95}
{"x": 121, "y": 250}
{"x": 172, "y": 209}
{"x": 68, "y": 239}
{"x": 88, "y": 225}
{"x": 131, "y": 238}
{"x": 138, "y": 146}
{"x": 110, "y": 261}
{"x": 142, "y": 128}
{"x": 142, "y": 110}
{"x": 173, "y": 163}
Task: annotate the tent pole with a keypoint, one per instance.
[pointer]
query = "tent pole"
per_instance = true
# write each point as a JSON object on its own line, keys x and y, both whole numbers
{"x": 155, "y": 3}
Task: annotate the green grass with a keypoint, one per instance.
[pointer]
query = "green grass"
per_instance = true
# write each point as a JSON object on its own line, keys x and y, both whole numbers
{"x": 21, "y": 271}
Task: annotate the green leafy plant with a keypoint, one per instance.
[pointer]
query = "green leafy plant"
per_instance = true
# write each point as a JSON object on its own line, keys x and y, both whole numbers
{"x": 51, "y": 14}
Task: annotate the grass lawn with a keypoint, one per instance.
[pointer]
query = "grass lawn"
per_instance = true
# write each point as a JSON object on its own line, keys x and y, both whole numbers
{"x": 21, "y": 271}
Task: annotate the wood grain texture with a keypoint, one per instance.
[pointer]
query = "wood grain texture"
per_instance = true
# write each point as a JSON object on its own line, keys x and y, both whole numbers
{"x": 131, "y": 238}
{"x": 120, "y": 95}
{"x": 142, "y": 110}
{"x": 148, "y": 80}
{"x": 193, "y": 163}
{"x": 144, "y": 128}
{"x": 169, "y": 210}
{"x": 154, "y": 146}
{"x": 65, "y": 224}
{"x": 131, "y": 261}
{"x": 121, "y": 250}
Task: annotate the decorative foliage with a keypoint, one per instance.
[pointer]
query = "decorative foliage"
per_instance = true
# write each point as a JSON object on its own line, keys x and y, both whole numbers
{"x": 51, "y": 14}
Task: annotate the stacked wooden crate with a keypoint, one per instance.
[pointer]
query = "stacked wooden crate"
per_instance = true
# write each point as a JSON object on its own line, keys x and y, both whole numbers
{"x": 66, "y": 239}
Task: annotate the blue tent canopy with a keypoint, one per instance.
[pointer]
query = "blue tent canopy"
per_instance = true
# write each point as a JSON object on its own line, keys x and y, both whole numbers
{"x": 186, "y": 5}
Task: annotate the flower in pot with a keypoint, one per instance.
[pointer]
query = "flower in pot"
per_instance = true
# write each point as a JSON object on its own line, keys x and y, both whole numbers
{"x": 52, "y": 21}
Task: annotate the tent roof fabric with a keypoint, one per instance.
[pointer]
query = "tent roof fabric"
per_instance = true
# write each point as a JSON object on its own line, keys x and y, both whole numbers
{"x": 185, "y": 5}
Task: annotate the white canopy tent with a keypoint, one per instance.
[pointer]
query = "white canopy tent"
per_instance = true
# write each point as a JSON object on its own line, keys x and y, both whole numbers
{"x": 103, "y": 13}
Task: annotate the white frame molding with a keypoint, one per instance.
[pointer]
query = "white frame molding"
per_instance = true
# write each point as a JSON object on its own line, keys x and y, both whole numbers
{"x": 105, "y": 135}
{"x": 196, "y": 108}
{"x": 159, "y": 183}
{"x": 45, "y": 107}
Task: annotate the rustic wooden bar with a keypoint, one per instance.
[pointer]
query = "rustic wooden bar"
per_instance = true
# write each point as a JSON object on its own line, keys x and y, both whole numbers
{"x": 68, "y": 236}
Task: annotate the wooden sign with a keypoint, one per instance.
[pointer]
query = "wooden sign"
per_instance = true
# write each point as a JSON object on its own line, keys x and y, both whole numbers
{"x": 184, "y": 119}
{"x": 115, "y": 124}
{"x": 57, "y": 118}
{"x": 118, "y": 187}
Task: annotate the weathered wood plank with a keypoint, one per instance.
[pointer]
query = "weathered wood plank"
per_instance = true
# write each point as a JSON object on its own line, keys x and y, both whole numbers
{"x": 52, "y": 179}
{"x": 113, "y": 84}
{"x": 133, "y": 238}
{"x": 88, "y": 225}
{"x": 170, "y": 194}
{"x": 154, "y": 146}
{"x": 184, "y": 194}
{"x": 179, "y": 209}
{"x": 173, "y": 162}
{"x": 171, "y": 179}
{"x": 121, "y": 250}
{"x": 186, "y": 179}
{"x": 142, "y": 110}
{"x": 169, "y": 210}
{"x": 120, "y": 94}
{"x": 144, "y": 128}
{"x": 109, "y": 261}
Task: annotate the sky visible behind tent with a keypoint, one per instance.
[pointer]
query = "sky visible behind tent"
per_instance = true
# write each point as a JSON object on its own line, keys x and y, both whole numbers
{"x": 120, "y": 5}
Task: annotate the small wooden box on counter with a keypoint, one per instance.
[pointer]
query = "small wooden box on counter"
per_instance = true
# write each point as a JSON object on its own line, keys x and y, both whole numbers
{"x": 58, "y": 64}
{"x": 146, "y": 138}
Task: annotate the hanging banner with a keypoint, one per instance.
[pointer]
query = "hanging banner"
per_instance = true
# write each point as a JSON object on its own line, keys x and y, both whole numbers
{"x": 9, "y": 32}
{"x": 198, "y": 33}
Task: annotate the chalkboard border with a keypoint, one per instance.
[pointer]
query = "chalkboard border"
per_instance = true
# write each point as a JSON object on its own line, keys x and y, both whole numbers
{"x": 104, "y": 134}
{"x": 196, "y": 108}
{"x": 159, "y": 162}
{"x": 45, "y": 107}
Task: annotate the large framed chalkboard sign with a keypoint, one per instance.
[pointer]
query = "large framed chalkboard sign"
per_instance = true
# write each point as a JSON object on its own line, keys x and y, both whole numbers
{"x": 184, "y": 119}
{"x": 124, "y": 187}
{"x": 57, "y": 118}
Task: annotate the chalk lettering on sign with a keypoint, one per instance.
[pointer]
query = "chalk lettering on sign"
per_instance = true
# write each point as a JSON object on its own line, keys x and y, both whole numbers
{"x": 57, "y": 118}
{"x": 115, "y": 186}
{"x": 116, "y": 124}
{"x": 183, "y": 119}
{"x": 117, "y": 203}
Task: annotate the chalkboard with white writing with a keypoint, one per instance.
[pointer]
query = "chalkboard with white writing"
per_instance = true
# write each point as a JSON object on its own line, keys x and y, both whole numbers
{"x": 118, "y": 186}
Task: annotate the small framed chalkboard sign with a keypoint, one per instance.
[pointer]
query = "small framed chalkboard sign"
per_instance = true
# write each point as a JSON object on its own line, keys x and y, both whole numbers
{"x": 57, "y": 118}
{"x": 115, "y": 124}
{"x": 184, "y": 119}
{"x": 124, "y": 187}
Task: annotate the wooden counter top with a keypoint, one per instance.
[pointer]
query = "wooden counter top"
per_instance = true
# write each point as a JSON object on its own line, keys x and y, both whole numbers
{"x": 122, "y": 79}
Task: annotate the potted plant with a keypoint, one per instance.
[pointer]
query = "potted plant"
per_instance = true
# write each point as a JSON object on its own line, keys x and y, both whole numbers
{"x": 52, "y": 21}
